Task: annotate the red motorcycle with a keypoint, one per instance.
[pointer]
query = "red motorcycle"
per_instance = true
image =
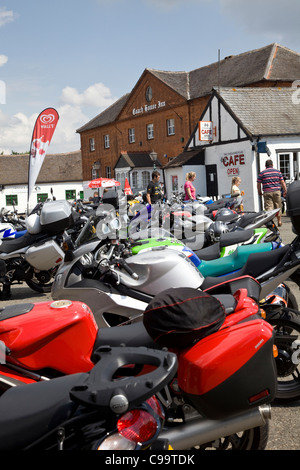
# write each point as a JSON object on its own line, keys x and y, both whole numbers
{"x": 226, "y": 376}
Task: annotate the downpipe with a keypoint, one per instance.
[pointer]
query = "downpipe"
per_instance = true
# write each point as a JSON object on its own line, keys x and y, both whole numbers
{"x": 201, "y": 431}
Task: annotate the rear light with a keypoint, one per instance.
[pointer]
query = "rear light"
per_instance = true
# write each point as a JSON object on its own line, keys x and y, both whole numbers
{"x": 136, "y": 428}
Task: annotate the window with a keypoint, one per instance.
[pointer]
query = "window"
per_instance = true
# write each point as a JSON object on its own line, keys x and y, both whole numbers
{"x": 170, "y": 126}
{"x": 131, "y": 135}
{"x": 41, "y": 197}
{"x": 92, "y": 145}
{"x": 11, "y": 200}
{"x": 284, "y": 165}
{"x": 174, "y": 183}
{"x": 108, "y": 171}
{"x": 134, "y": 179}
{"x": 145, "y": 178}
{"x": 70, "y": 194}
{"x": 149, "y": 94}
{"x": 150, "y": 131}
{"x": 106, "y": 141}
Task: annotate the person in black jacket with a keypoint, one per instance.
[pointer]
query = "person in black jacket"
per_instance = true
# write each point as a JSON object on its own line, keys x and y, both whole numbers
{"x": 154, "y": 192}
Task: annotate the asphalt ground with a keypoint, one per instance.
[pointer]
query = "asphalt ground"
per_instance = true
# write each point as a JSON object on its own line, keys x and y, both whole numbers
{"x": 285, "y": 420}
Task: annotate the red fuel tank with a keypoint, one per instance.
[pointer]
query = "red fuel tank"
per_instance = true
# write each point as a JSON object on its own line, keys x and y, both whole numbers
{"x": 47, "y": 335}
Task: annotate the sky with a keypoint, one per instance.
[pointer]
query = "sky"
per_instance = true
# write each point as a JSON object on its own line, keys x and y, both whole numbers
{"x": 79, "y": 56}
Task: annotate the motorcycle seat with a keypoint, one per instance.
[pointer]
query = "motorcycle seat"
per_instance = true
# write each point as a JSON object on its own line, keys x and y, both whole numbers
{"x": 15, "y": 310}
{"x": 256, "y": 265}
{"x": 134, "y": 334}
{"x": 232, "y": 238}
{"x": 28, "y": 411}
{"x": 9, "y": 246}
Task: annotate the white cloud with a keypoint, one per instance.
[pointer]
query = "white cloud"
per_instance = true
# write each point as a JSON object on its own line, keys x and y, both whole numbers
{"x": 16, "y": 131}
{"x": 3, "y": 59}
{"x": 6, "y": 16}
{"x": 97, "y": 95}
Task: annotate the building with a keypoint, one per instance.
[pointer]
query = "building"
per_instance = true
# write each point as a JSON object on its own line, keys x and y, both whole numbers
{"x": 248, "y": 126}
{"x": 160, "y": 113}
{"x": 60, "y": 174}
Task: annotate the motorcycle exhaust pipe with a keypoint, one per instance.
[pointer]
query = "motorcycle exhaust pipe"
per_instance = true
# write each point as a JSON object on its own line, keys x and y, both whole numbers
{"x": 200, "y": 430}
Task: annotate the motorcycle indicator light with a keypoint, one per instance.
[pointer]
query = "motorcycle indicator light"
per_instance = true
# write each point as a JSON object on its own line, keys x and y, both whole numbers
{"x": 275, "y": 350}
{"x": 263, "y": 313}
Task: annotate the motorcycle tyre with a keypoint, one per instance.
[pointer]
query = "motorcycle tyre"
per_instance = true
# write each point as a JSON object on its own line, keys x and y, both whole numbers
{"x": 250, "y": 439}
{"x": 39, "y": 287}
{"x": 287, "y": 391}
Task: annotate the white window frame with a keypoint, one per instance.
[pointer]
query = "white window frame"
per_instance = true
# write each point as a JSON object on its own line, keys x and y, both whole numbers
{"x": 92, "y": 144}
{"x": 171, "y": 126}
{"x": 134, "y": 179}
{"x": 146, "y": 177}
{"x": 108, "y": 171}
{"x": 106, "y": 141}
{"x": 150, "y": 131}
{"x": 131, "y": 135}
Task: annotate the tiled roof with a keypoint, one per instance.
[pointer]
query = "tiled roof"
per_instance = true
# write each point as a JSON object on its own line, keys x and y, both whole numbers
{"x": 136, "y": 160}
{"x": 270, "y": 63}
{"x": 56, "y": 168}
{"x": 265, "y": 111}
{"x": 185, "y": 157}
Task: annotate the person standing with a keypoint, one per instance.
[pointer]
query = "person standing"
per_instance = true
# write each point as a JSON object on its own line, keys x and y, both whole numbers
{"x": 189, "y": 190}
{"x": 154, "y": 192}
{"x": 269, "y": 184}
{"x": 235, "y": 183}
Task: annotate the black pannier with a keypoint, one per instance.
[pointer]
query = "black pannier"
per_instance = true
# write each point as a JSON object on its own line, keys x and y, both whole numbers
{"x": 179, "y": 317}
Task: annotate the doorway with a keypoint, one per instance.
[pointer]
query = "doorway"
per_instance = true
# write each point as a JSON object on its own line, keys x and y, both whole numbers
{"x": 212, "y": 181}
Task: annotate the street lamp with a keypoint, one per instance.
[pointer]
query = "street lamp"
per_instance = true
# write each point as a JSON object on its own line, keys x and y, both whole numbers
{"x": 153, "y": 156}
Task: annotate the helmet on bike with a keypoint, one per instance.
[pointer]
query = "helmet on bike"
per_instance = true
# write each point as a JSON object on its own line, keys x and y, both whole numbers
{"x": 223, "y": 213}
{"x": 33, "y": 224}
{"x": 215, "y": 231}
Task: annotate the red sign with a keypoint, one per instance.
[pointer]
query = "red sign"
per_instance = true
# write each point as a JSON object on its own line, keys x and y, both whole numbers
{"x": 42, "y": 134}
{"x": 233, "y": 160}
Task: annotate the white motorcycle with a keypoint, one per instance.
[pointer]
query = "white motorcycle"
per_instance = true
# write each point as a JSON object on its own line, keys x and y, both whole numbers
{"x": 34, "y": 257}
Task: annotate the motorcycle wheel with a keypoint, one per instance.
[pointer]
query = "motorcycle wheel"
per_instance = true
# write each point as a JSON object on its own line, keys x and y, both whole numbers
{"x": 42, "y": 281}
{"x": 286, "y": 324}
{"x": 251, "y": 439}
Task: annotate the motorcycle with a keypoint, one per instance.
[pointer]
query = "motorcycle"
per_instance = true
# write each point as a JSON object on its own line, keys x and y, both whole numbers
{"x": 232, "y": 401}
{"x": 117, "y": 284}
{"x": 35, "y": 257}
{"x": 11, "y": 226}
{"x": 110, "y": 406}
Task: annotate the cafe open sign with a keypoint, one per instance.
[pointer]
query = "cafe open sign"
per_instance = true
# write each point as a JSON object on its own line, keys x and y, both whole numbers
{"x": 205, "y": 130}
{"x": 232, "y": 162}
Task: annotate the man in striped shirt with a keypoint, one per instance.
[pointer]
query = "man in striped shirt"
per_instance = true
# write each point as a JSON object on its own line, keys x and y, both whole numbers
{"x": 269, "y": 184}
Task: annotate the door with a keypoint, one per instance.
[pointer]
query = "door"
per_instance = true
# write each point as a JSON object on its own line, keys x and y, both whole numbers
{"x": 212, "y": 181}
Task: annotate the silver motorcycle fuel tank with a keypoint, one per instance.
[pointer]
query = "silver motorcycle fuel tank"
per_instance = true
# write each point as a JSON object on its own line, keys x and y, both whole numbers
{"x": 160, "y": 268}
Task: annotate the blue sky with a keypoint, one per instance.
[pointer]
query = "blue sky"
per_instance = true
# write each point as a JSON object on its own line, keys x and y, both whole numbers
{"x": 79, "y": 56}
